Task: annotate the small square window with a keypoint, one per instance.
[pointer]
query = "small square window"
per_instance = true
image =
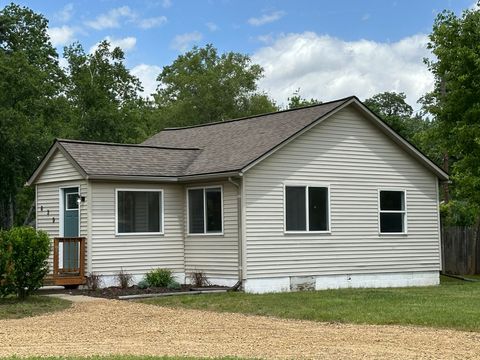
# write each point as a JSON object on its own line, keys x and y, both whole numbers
{"x": 139, "y": 212}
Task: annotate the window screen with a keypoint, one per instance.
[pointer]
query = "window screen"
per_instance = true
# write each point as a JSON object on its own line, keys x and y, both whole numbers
{"x": 318, "y": 208}
{"x": 139, "y": 211}
{"x": 295, "y": 208}
{"x": 196, "y": 211}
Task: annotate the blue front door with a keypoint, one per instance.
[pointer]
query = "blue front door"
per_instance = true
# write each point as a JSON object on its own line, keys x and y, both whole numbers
{"x": 70, "y": 227}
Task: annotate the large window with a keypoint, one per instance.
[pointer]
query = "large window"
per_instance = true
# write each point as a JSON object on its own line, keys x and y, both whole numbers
{"x": 139, "y": 211}
{"x": 205, "y": 210}
{"x": 306, "y": 208}
{"x": 392, "y": 211}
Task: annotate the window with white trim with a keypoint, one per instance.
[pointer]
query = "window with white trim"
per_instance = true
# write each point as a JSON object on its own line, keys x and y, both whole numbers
{"x": 306, "y": 208}
{"x": 205, "y": 210}
{"x": 139, "y": 211}
{"x": 392, "y": 211}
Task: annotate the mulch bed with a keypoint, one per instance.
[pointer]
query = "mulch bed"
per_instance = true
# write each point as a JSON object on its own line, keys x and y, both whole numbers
{"x": 114, "y": 292}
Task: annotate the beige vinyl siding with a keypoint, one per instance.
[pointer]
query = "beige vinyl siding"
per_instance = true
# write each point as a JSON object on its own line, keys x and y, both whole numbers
{"x": 48, "y": 209}
{"x": 216, "y": 255}
{"x": 58, "y": 169}
{"x": 134, "y": 253}
{"x": 352, "y": 156}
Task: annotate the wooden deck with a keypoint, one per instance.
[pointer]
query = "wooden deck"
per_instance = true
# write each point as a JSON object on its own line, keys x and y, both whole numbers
{"x": 68, "y": 262}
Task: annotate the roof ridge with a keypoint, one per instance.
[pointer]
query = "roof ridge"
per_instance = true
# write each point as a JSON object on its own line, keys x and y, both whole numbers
{"x": 119, "y": 144}
{"x": 259, "y": 115}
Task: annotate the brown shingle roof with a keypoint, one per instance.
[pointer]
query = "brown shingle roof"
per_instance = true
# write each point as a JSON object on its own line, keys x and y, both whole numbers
{"x": 99, "y": 159}
{"x": 232, "y": 145}
{"x": 216, "y": 148}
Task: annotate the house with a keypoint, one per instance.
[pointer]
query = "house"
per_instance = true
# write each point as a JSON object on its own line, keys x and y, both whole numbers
{"x": 325, "y": 196}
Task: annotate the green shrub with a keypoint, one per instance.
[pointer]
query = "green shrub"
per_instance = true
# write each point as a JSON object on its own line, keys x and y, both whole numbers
{"x": 174, "y": 285}
{"x": 159, "y": 277}
{"x": 142, "y": 284}
{"x": 6, "y": 264}
{"x": 23, "y": 261}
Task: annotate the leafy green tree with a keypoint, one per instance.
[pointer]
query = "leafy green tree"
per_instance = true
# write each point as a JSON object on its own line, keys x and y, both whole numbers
{"x": 203, "y": 86}
{"x": 31, "y": 84}
{"x": 297, "y": 101}
{"x": 104, "y": 95}
{"x": 455, "y": 100}
{"x": 393, "y": 108}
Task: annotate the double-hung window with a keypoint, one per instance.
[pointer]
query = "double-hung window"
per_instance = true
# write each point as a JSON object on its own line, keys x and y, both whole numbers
{"x": 307, "y": 208}
{"x": 392, "y": 211}
{"x": 139, "y": 211}
{"x": 205, "y": 210}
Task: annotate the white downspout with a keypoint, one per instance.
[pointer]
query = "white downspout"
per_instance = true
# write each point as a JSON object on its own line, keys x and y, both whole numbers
{"x": 239, "y": 226}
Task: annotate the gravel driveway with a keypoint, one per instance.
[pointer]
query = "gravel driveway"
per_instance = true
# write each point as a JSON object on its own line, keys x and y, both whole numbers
{"x": 114, "y": 327}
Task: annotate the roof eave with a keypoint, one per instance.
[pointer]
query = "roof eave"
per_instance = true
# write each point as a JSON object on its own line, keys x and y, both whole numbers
{"x": 140, "y": 178}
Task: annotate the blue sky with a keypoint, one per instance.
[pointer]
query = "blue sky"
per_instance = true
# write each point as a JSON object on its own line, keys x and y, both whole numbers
{"x": 327, "y": 49}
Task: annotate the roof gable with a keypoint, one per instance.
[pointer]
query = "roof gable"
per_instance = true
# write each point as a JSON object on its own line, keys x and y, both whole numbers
{"x": 233, "y": 145}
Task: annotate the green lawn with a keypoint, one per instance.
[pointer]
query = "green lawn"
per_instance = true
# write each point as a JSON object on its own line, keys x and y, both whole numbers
{"x": 12, "y": 308}
{"x": 454, "y": 304}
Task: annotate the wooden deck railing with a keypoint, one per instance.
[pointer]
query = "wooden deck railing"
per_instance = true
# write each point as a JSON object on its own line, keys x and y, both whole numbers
{"x": 69, "y": 260}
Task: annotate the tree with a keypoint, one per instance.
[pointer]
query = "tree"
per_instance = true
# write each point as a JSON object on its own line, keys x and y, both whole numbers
{"x": 297, "y": 101}
{"x": 393, "y": 108}
{"x": 202, "y": 86}
{"x": 455, "y": 100}
{"x": 31, "y": 84}
{"x": 104, "y": 95}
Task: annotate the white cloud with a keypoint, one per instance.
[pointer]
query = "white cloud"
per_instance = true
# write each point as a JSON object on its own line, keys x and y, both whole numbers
{"x": 184, "y": 41}
{"x": 60, "y": 36}
{"x": 115, "y": 17}
{"x": 152, "y": 22}
{"x": 327, "y": 68}
{"x": 166, "y": 3}
{"x": 111, "y": 19}
{"x": 475, "y": 5}
{"x": 126, "y": 44}
{"x": 266, "y": 18}
{"x": 211, "y": 26}
{"x": 148, "y": 76}
{"x": 365, "y": 17}
{"x": 65, "y": 14}
{"x": 266, "y": 38}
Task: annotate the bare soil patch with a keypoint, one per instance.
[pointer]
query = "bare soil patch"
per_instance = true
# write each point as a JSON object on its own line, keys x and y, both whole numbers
{"x": 115, "y": 327}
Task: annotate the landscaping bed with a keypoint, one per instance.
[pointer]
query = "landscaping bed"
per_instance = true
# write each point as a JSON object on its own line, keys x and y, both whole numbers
{"x": 114, "y": 292}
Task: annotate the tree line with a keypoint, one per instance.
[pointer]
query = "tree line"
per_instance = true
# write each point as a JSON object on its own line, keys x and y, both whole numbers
{"x": 96, "y": 97}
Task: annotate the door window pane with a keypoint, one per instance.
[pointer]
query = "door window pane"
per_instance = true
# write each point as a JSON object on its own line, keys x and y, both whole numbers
{"x": 295, "y": 208}
{"x": 71, "y": 199}
{"x": 318, "y": 208}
